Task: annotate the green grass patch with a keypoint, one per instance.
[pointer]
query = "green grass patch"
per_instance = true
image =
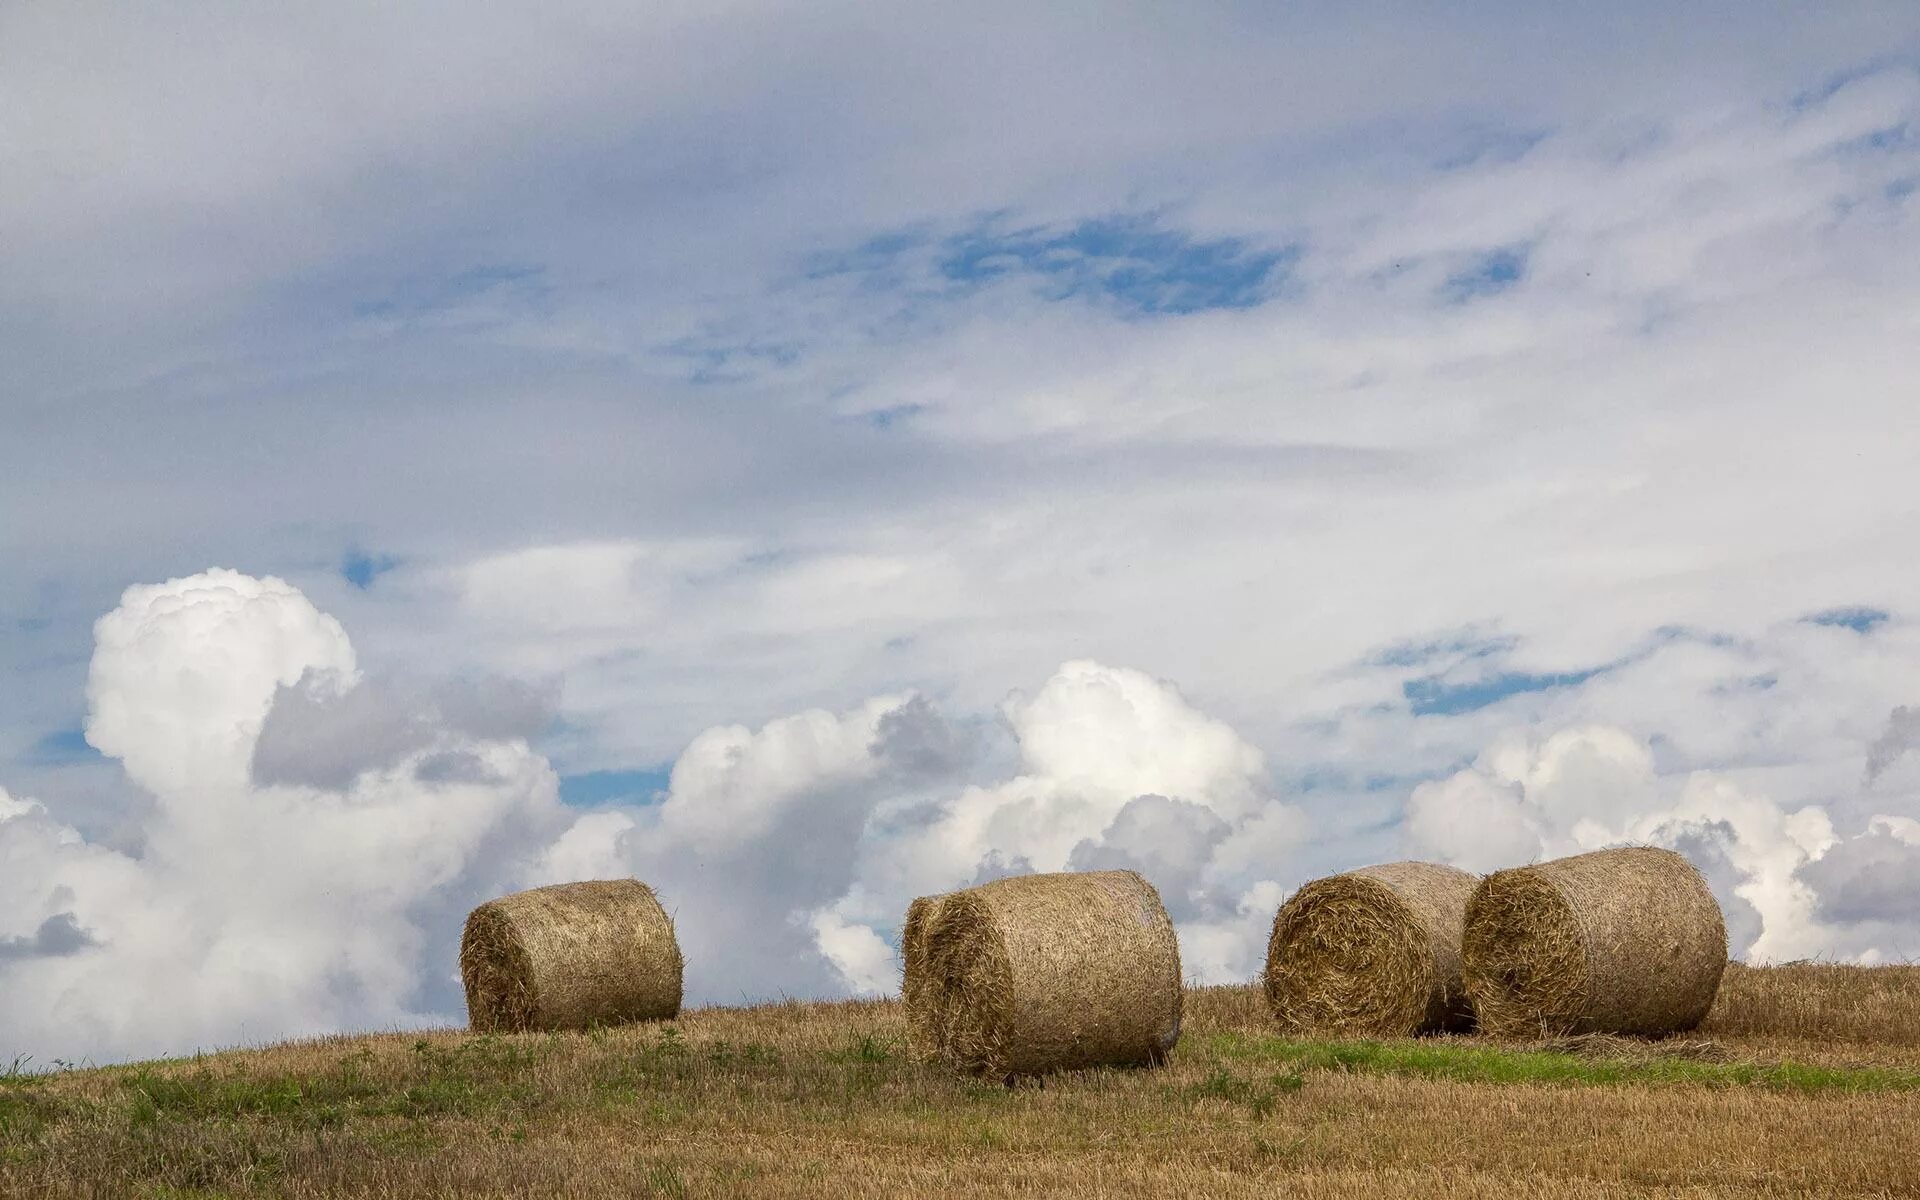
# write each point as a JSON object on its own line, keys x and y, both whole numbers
{"x": 864, "y": 1049}
{"x": 476, "y": 1076}
{"x": 322, "y": 1099}
{"x": 667, "y": 1062}
{"x": 473, "y": 1077}
{"x": 727, "y": 1056}
{"x": 25, "y": 1115}
{"x": 1456, "y": 1063}
{"x": 1256, "y": 1094}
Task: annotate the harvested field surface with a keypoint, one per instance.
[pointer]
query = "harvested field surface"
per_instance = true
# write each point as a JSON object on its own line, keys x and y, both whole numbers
{"x": 1804, "y": 1080}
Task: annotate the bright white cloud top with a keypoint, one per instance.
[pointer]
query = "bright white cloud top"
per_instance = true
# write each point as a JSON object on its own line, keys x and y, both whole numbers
{"x": 809, "y": 458}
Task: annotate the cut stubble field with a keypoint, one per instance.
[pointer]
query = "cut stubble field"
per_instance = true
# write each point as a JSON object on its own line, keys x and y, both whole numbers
{"x": 1804, "y": 1080}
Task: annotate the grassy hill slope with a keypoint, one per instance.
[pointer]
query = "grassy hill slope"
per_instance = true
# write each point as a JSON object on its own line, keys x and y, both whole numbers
{"x": 1805, "y": 1080}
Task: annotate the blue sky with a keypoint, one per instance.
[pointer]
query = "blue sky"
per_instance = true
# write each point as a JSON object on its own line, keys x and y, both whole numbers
{"x": 1439, "y": 697}
{"x": 1491, "y": 273}
{"x": 1860, "y": 618}
{"x": 1126, "y": 260}
{"x": 361, "y": 568}
{"x": 652, "y": 398}
{"x": 591, "y": 788}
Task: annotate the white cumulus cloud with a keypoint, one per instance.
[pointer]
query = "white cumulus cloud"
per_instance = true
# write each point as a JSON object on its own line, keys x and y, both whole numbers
{"x": 253, "y": 911}
{"x": 1115, "y": 769}
{"x": 183, "y": 674}
{"x": 1775, "y": 866}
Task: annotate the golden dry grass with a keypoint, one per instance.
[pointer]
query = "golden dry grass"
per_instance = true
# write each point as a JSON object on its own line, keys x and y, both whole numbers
{"x": 818, "y": 1100}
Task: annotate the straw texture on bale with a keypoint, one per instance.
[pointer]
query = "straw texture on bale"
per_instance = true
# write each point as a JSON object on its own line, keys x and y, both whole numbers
{"x": 1049, "y": 972}
{"x": 919, "y": 999}
{"x": 1624, "y": 941}
{"x": 568, "y": 956}
{"x": 1373, "y": 952}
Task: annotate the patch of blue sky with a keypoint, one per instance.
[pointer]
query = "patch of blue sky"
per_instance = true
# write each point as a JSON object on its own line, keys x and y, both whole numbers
{"x": 1829, "y": 87}
{"x": 1467, "y": 645}
{"x": 591, "y": 789}
{"x": 1685, "y": 633}
{"x": 876, "y": 255}
{"x": 1890, "y": 138}
{"x": 1490, "y": 274}
{"x": 1752, "y": 683}
{"x": 1434, "y": 695}
{"x": 62, "y": 747}
{"x": 1884, "y": 142}
{"x": 1858, "y": 617}
{"x": 720, "y": 361}
{"x": 1131, "y": 261}
{"x": 361, "y": 568}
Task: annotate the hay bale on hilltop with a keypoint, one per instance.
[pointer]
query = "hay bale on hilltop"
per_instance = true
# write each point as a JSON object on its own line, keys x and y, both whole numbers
{"x": 568, "y": 956}
{"x": 1050, "y": 972}
{"x": 1373, "y": 952}
{"x": 1626, "y": 941}
{"x": 919, "y": 999}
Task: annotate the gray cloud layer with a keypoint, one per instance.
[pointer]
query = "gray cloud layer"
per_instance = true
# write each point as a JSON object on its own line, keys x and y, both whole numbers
{"x": 1874, "y": 877}
{"x": 57, "y": 935}
{"x": 1901, "y": 735}
{"x": 323, "y": 734}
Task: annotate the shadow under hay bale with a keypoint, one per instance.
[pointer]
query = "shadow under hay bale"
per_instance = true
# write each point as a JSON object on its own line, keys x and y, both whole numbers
{"x": 1625, "y": 941}
{"x": 1050, "y": 972}
{"x": 601, "y": 952}
{"x": 1372, "y": 953}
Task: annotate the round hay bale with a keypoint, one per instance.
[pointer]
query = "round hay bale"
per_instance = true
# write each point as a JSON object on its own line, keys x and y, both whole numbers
{"x": 569, "y": 956}
{"x": 919, "y": 999}
{"x": 1053, "y": 972}
{"x": 1626, "y": 941}
{"x": 1372, "y": 953}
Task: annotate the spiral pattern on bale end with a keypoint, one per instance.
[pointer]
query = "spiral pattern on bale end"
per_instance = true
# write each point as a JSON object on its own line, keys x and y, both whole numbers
{"x": 1372, "y": 953}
